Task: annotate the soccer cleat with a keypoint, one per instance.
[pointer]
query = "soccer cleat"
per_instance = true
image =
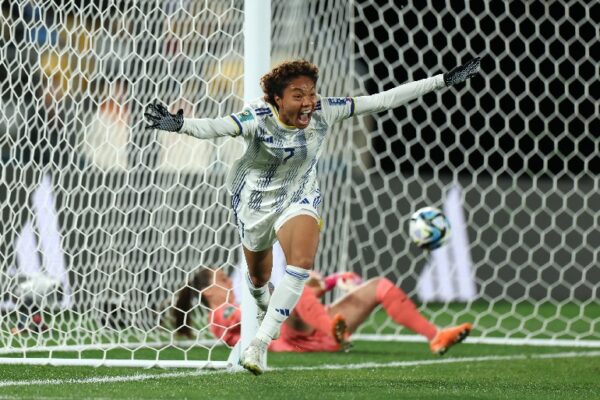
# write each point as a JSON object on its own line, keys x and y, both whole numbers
{"x": 340, "y": 332}
{"x": 253, "y": 357}
{"x": 446, "y": 338}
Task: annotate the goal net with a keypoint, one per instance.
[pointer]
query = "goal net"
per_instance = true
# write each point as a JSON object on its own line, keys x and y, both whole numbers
{"x": 103, "y": 223}
{"x": 509, "y": 156}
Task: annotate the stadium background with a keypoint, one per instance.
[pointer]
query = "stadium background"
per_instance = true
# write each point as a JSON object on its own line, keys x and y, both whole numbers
{"x": 523, "y": 143}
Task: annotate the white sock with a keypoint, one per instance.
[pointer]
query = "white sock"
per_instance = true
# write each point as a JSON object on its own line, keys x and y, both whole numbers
{"x": 261, "y": 295}
{"x": 284, "y": 299}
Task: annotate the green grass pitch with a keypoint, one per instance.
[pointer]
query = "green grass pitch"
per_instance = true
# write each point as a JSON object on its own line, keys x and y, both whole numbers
{"x": 373, "y": 370}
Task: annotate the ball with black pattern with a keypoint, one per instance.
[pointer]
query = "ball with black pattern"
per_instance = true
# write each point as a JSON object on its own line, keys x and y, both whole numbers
{"x": 429, "y": 228}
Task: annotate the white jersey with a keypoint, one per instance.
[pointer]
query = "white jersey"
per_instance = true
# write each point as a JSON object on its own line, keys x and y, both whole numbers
{"x": 279, "y": 165}
{"x": 276, "y": 179}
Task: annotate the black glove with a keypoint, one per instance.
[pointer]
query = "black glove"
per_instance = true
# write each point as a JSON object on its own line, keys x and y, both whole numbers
{"x": 160, "y": 118}
{"x": 462, "y": 72}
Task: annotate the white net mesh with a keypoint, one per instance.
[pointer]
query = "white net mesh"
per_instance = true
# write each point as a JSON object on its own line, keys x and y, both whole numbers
{"x": 135, "y": 214}
{"x": 123, "y": 217}
{"x": 519, "y": 140}
{"x": 516, "y": 144}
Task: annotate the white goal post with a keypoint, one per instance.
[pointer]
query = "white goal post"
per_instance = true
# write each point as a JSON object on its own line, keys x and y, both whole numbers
{"x": 104, "y": 222}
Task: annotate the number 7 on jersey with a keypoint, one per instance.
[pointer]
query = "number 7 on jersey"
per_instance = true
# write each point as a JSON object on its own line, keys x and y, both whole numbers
{"x": 288, "y": 150}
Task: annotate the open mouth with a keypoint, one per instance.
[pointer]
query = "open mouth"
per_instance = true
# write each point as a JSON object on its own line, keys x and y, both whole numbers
{"x": 304, "y": 117}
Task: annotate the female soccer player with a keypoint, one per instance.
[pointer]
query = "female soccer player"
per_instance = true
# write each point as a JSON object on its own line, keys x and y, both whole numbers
{"x": 311, "y": 326}
{"x": 275, "y": 194}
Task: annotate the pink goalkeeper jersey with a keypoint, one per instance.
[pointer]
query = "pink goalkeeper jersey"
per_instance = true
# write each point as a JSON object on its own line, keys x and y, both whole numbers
{"x": 225, "y": 325}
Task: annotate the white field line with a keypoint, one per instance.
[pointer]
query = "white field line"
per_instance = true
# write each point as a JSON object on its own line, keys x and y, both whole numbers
{"x": 397, "y": 364}
{"x": 105, "y": 379}
{"x": 485, "y": 340}
{"x": 393, "y": 364}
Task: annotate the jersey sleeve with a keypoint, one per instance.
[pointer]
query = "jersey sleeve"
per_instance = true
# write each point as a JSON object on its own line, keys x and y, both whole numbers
{"x": 209, "y": 128}
{"x": 397, "y": 96}
{"x": 243, "y": 123}
{"x": 336, "y": 109}
{"x": 246, "y": 122}
{"x": 313, "y": 312}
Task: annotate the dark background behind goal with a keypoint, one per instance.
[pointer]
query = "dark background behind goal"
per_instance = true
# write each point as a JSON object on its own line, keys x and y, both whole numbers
{"x": 522, "y": 139}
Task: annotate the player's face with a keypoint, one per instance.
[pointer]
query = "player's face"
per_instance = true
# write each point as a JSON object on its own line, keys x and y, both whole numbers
{"x": 297, "y": 102}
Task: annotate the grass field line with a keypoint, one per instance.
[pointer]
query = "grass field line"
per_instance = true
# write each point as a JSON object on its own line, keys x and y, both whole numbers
{"x": 368, "y": 365}
{"x": 396, "y": 364}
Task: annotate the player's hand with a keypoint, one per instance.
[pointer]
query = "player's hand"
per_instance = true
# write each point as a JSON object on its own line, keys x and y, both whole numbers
{"x": 159, "y": 117}
{"x": 344, "y": 280}
{"x": 340, "y": 332}
{"x": 462, "y": 72}
{"x": 348, "y": 281}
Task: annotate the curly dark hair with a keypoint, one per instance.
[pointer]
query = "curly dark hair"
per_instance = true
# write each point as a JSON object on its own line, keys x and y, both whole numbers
{"x": 275, "y": 81}
{"x": 202, "y": 279}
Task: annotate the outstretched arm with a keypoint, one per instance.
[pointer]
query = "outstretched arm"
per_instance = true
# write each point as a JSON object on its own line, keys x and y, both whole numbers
{"x": 159, "y": 117}
{"x": 404, "y": 93}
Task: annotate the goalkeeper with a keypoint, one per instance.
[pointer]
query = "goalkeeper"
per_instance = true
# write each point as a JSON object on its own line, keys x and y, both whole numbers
{"x": 311, "y": 326}
{"x": 274, "y": 189}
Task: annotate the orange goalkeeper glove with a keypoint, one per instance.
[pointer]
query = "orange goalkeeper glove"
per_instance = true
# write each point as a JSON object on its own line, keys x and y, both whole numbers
{"x": 345, "y": 280}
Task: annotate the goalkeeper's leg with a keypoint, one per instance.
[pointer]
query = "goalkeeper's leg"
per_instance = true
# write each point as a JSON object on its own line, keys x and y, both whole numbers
{"x": 357, "y": 305}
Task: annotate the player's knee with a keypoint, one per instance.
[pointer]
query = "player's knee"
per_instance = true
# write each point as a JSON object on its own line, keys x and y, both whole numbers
{"x": 374, "y": 283}
{"x": 302, "y": 262}
{"x": 260, "y": 278}
{"x": 382, "y": 287}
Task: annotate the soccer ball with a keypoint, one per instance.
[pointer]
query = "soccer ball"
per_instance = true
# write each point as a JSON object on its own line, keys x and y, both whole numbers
{"x": 429, "y": 228}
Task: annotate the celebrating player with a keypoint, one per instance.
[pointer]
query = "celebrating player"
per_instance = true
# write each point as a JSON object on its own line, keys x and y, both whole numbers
{"x": 311, "y": 326}
{"x": 275, "y": 194}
